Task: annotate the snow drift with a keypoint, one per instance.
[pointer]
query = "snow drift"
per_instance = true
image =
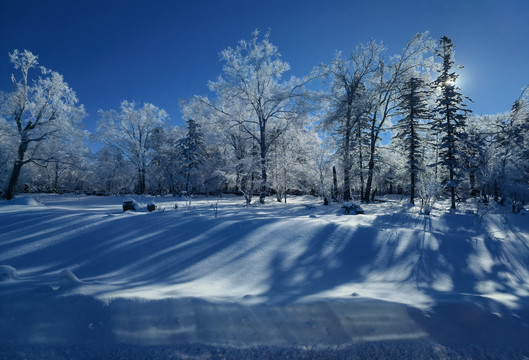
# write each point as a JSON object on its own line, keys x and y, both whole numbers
{"x": 272, "y": 276}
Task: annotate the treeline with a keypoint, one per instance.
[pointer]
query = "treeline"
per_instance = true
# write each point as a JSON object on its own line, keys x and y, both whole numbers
{"x": 383, "y": 124}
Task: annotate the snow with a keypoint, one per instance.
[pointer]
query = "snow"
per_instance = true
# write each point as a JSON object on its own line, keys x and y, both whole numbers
{"x": 8, "y": 273}
{"x": 80, "y": 278}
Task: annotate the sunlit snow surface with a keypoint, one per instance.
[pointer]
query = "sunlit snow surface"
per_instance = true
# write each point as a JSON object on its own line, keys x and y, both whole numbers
{"x": 78, "y": 271}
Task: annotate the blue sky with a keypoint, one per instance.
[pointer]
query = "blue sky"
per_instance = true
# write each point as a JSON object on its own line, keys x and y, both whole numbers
{"x": 163, "y": 51}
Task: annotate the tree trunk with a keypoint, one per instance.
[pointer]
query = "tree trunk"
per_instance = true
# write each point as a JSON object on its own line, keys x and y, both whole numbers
{"x": 56, "y": 178}
{"x": 412, "y": 185}
{"x": 413, "y": 174}
{"x": 10, "y": 192}
{"x": 370, "y": 174}
{"x": 452, "y": 190}
{"x": 496, "y": 191}
{"x": 262, "y": 193}
{"x": 361, "y": 169}
{"x": 187, "y": 183}
{"x": 143, "y": 187}
{"x": 334, "y": 184}
{"x": 360, "y": 161}
{"x": 347, "y": 164}
{"x": 141, "y": 180}
{"x": 413, "y": 150}
{"x": 346, "y": 184}
{"x": 472, "y": 179}
{"x": 15, "y": 173}
{"x": 371, "y": 164}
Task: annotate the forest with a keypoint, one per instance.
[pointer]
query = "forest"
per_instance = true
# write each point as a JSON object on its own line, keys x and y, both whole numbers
{"x": 367, "y": 123}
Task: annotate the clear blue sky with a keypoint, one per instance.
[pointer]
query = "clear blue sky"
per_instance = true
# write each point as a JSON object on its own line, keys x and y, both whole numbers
{"x": 163, "y": 51}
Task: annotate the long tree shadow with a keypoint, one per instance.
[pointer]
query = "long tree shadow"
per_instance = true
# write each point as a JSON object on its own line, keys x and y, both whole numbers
{"x": 299, "y": 257}
{"x": 441, "y": 259}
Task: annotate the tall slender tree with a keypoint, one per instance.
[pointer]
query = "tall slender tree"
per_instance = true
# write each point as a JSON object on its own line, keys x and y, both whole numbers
{"x": 414, "y": 107}
{"x": 191, "y": 153}
{"x": 451, "y": 116}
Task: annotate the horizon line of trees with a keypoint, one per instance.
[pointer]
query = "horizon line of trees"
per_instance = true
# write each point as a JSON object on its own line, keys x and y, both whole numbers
{"x": 261, "y": 133}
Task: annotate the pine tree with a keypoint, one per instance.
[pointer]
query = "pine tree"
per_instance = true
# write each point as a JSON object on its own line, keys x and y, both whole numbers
{"x": 192, "y": 153}
{"x": 451, "y": 116}
{"x": 413, "y": 105}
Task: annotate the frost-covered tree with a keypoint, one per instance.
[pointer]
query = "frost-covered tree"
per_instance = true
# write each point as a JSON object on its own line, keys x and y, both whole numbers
{"x": 164, "y": 170}
{"x": 347, "y": 105}
{"x": 234, "y": 161}
{"x": 481, "y": 153}
{"x": 292, "y": 162}
{"x": 392, "y": 172}
{"x": 451, "y": 116}
{"x": 67, "y": 168}
{"x": 111, "y": 172}
{"x": 364, "y": 96}
{"x": 510, "y": 155}
{"x": 520, "y": 116}
{"x": 191, "y": 152}
{"x": 414, "y": 107}
{"x": 384, "y": 86}
{"x": 323, "y": 175}
{"x": 129, "y": 131}
{"x": 7, "y": 150}
{"x": 244, "y": 164}
{"x": 255, "y": 97}
{"x": 39, "y": 109}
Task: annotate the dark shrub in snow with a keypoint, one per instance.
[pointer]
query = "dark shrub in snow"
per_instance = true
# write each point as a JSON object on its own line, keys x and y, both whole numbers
{"x": 128, "y": 205}
{"x": 352, "y": 208}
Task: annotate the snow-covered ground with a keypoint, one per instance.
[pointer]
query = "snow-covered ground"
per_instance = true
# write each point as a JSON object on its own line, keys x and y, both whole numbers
{"x": 79, "y": 278}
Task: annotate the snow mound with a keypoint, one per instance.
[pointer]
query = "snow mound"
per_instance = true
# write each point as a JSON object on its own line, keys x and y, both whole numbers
{"x": 8, "y": 273}
{"x": 352, "y": 208}
{"x": 27, "y": 201}
{"x": 68, "y": 279}
{"x": 140, "y": 206}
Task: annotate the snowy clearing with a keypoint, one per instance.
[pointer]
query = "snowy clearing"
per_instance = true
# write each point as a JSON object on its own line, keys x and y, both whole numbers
{"x": 80, "y": 278}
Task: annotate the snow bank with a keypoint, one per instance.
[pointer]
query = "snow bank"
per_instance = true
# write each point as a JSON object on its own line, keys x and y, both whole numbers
{"x": 68, "y": 279}
{"x": 8, "y": 273}
{"x": 24, "y": 200}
